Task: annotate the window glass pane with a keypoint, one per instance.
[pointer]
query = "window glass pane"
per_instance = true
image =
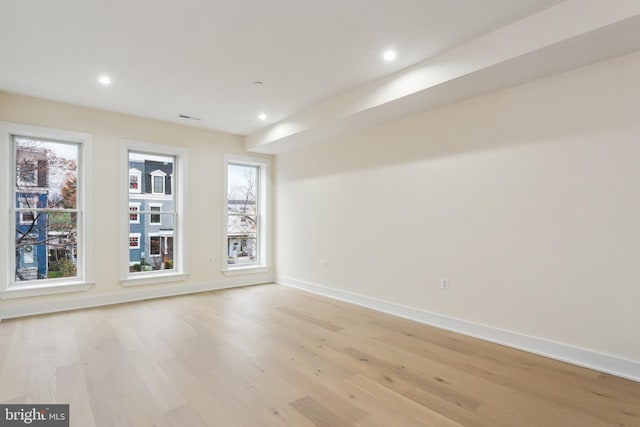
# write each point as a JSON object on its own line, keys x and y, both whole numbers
{"x": 242, "y": 248}
{"x": 158, "y": 184}
{"x": 241, "y": 224}
{"x": 46, "y": 203}
{"x": 242, "y": 189}
{"x": 51, "y": 254}
{"x": 31, "y": 261}
{"x": 154, "y": 245}
{"x": 62, "y": 244}
{"x": 134, "y": 182}
{"x": 242, "y": 232}
{"x": 134, "y": 241}
{"x": 134, "y": 208}
{"x": 45, "y": 167}
{"x": 26, "y": 201}
{"x": 151, "y": 234}
{"x": 242, "y": 213}
{"x": 154, "y": 218}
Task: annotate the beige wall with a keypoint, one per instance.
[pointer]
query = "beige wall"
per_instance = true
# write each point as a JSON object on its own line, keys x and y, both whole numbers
{"x": 206, "y": 149}
{"x": 527, "y": 199}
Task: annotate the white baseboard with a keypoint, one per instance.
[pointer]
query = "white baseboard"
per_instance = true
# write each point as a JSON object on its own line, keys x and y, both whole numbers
{"x": 129, "y": 295}
{"x": 577, "y": 356}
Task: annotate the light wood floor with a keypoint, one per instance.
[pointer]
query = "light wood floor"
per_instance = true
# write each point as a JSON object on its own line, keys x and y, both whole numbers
{"x": 273, "y": 356}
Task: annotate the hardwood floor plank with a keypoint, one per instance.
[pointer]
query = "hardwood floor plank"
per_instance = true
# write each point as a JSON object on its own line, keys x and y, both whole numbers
{"x": 165, "y": 395}
{"x": 310, "y": 319}
{"x": 184, "y": 416}
{"x": 317, "y": 413}
{"x": 65, "y": 338}
{"x": 407, "y": 412}
{"x": 15, "y": 368}
{"x": 107, "y": 404}
{"x": 41, "y": 382}
{"x": 72, "y": 389}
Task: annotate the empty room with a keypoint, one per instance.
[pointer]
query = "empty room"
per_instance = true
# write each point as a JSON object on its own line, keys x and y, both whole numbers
{"x": 335, "y": 213}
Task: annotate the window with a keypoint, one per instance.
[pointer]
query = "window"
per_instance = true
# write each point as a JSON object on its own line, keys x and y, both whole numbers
{"x": 49, "y": 212}
{"x": 160, "y": 211}
{"x": 46, "y": 207}
{"x": 134, "y": 217}
{"x": 245, "y": 239}
{"x": 135, "y": 178}
{"x": 155, "y": 245}
{"x": 157, "y": 181}
{"x": 134, "y": 241}
{"x": 154, "y": 218}
{"x": 28, "y": 216}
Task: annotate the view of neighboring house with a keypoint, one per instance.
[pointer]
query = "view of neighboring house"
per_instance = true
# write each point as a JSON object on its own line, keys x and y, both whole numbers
{"x": 45, "y": 245}
{"x": 150, "y": 233}
{"x": 242, "y": 213}
{"x": 31, "y": 232}
{"x": 241, "y": 231}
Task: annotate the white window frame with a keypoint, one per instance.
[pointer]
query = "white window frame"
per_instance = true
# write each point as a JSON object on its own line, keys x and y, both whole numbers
{"x": 180, "y": 184}
{"x": 136, "y": 213}
{"x": 263, "y": 200}
{"x": 83, "y": 280}
{"x": 138, "y": 174}
{"x": 154, "y": 174}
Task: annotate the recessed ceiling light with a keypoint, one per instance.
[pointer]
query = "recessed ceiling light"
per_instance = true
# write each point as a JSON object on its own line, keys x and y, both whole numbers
{"x": 258, "y": 83}
{"x": 104, "y": 80}
{"x": 262, "y": 116}
{"x": 389, "y": 55}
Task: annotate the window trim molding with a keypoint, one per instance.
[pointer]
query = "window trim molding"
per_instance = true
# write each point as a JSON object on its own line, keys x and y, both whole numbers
{"x": 180, "y": 200}
{"x": 84, "y": 280}
{"x": 39, "y": 290}
{"x": 264, "y": 206}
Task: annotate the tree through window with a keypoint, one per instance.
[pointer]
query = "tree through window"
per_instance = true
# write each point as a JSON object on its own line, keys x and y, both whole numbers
{"x": 245, "y": 205}
{"x": 46, "y": 209}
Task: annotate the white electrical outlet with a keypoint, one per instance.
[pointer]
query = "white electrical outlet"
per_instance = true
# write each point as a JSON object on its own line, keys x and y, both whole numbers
{"x": 444, "y": 283}
{"x": 323, "y": 263}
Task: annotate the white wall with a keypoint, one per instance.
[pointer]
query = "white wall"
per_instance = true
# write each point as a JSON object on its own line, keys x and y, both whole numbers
{"x": 206, "y": 149}
{"x": 528, "y": 199}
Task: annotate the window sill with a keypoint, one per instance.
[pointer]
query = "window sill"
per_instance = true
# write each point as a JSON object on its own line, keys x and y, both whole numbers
{"x": 18, "y": 291}
{"x": 251, "y": 269}
{"x": 153, "y": 279}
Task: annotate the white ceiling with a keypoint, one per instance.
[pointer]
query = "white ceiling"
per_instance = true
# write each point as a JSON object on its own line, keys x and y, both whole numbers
{"x": 201, "y": 57}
